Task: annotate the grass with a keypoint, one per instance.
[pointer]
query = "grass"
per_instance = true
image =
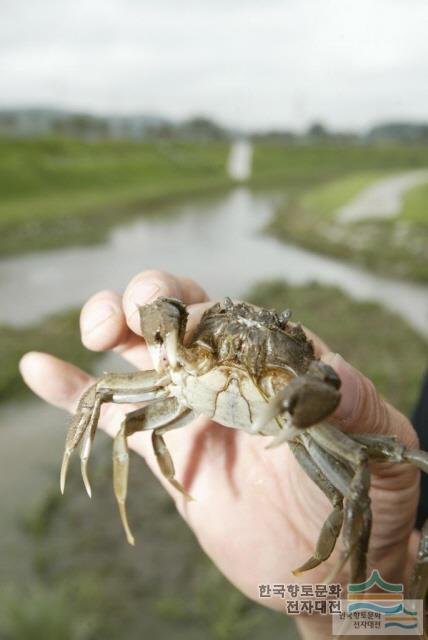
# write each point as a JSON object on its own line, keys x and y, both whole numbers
{"x": 394, "y": 247}
{"x": 58, "y": 334}
{"x": 415, "y": 206}
{"x": 55, "y": 192}
{"x": 303, "y": 165}
{"x": 327, "y": 198}
{"x": 87, "y": 580}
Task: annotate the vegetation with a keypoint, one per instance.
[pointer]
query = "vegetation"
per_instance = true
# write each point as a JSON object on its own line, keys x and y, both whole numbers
{"x": 302, "y": 165}
{"x": 165, "y": 587}
{"x": 329, "y": 196}
{"x": 415, "y": 206}
{"x": 394, "y": 246}
{"x": 58, "y": 191}
{"x": 58, "y": 334}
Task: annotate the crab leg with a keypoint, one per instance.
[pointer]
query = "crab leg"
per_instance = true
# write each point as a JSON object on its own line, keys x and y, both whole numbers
{"x": 167, "y": 412}
{"x": 324, "y": 442}
{"x": 385, "y": 448}
{"x": 142, "y": 386}
{"x": 164, "y": 458}
{"x": 333, "y": 524}
{"x": 419, "y": 581}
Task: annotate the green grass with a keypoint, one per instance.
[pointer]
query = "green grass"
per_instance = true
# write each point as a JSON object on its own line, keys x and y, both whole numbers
{"x": 58, "y": 334}
{"x": 394, "y": 247}
{"x": 87, "y": 580}
{"x": 55, "y": 192}
{"x": 415, "y": 206}
{"x": 302, "y": 165}
{"x": 327, "y": 198}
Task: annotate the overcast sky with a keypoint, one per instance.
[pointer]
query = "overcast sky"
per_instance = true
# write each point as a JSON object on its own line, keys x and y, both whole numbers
{"x": 261, "y": 63}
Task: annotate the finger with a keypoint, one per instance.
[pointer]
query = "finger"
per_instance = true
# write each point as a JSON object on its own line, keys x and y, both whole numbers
{"x": 149, "y": 285}
{"x": 54, "y": 380}
{"x": 134, "y": 349}
{"x": 103, "y": 326}
{"x": 362, "y": 409}
{"x": 102, "y": 322}
{"x": 320, "y": 347}
{"x": 62, "y": 384}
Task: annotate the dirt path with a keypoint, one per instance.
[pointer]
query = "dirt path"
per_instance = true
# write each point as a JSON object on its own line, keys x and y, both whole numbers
{"x": 382, "y": 199}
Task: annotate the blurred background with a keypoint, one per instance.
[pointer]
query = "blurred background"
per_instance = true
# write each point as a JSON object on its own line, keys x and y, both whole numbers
{"x": 276, "y": 152}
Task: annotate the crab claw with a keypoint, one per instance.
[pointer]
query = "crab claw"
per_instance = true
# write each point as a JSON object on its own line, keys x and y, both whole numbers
{"x": 308, "y": 399}
{"x": 163, "y": 324}
{"x": 64, "y": 468}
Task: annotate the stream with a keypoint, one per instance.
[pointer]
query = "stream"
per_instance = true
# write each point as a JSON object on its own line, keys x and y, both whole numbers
{"x": 216, "y": 240}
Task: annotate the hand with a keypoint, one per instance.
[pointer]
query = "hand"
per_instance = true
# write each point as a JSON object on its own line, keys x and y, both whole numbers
{"x": 255, "y": 513}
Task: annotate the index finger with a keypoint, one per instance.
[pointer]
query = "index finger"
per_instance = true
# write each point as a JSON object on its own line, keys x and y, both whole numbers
{"x": 149, "y": 285}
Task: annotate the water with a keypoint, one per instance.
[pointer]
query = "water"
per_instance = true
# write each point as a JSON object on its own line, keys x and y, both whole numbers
{"x": 217, "y": 241}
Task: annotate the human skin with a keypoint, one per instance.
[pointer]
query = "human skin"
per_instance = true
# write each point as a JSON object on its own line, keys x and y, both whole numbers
{"x": 255, "y": 512}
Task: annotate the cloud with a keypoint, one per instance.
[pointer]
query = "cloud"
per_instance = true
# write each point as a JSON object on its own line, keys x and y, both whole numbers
{"x": 276, "y": 63}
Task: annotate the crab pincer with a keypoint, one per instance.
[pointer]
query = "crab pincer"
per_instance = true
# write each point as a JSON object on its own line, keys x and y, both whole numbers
{"x": 163, "y": 323}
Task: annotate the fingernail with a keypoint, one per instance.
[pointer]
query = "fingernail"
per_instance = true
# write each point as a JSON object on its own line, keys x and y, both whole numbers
{"x": 95, "y": 315}
{"x": 144, "y": 291}
{"x": 349, "y": 388}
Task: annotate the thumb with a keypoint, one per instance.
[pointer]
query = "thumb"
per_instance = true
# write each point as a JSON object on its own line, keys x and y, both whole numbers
{"x": 363, "y": 410}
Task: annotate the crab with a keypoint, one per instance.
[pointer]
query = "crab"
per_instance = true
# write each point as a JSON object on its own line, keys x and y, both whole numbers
{"x": 246, "y": 368}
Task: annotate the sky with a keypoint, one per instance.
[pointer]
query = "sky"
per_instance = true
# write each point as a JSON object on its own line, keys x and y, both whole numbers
{"x": 247, "y": 63}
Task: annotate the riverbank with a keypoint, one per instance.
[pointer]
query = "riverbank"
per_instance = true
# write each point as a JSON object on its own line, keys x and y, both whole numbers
{"x": 59, "y": 192}
{"x": 393, "y": 246}
{"x": 57, "y": 334}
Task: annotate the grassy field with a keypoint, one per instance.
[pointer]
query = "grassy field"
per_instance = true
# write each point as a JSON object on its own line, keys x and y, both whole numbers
{"x": 329, "y": 196}
{"x": 168, "y": 588}
{"x": 55, "y": 192}
{"x": 395, "y": 246}
{"x": 303, "y": 165}
{"x": 415, "y": 207}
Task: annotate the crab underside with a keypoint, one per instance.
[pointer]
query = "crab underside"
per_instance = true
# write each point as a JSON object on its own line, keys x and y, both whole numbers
{"x": 252, "y": 369}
